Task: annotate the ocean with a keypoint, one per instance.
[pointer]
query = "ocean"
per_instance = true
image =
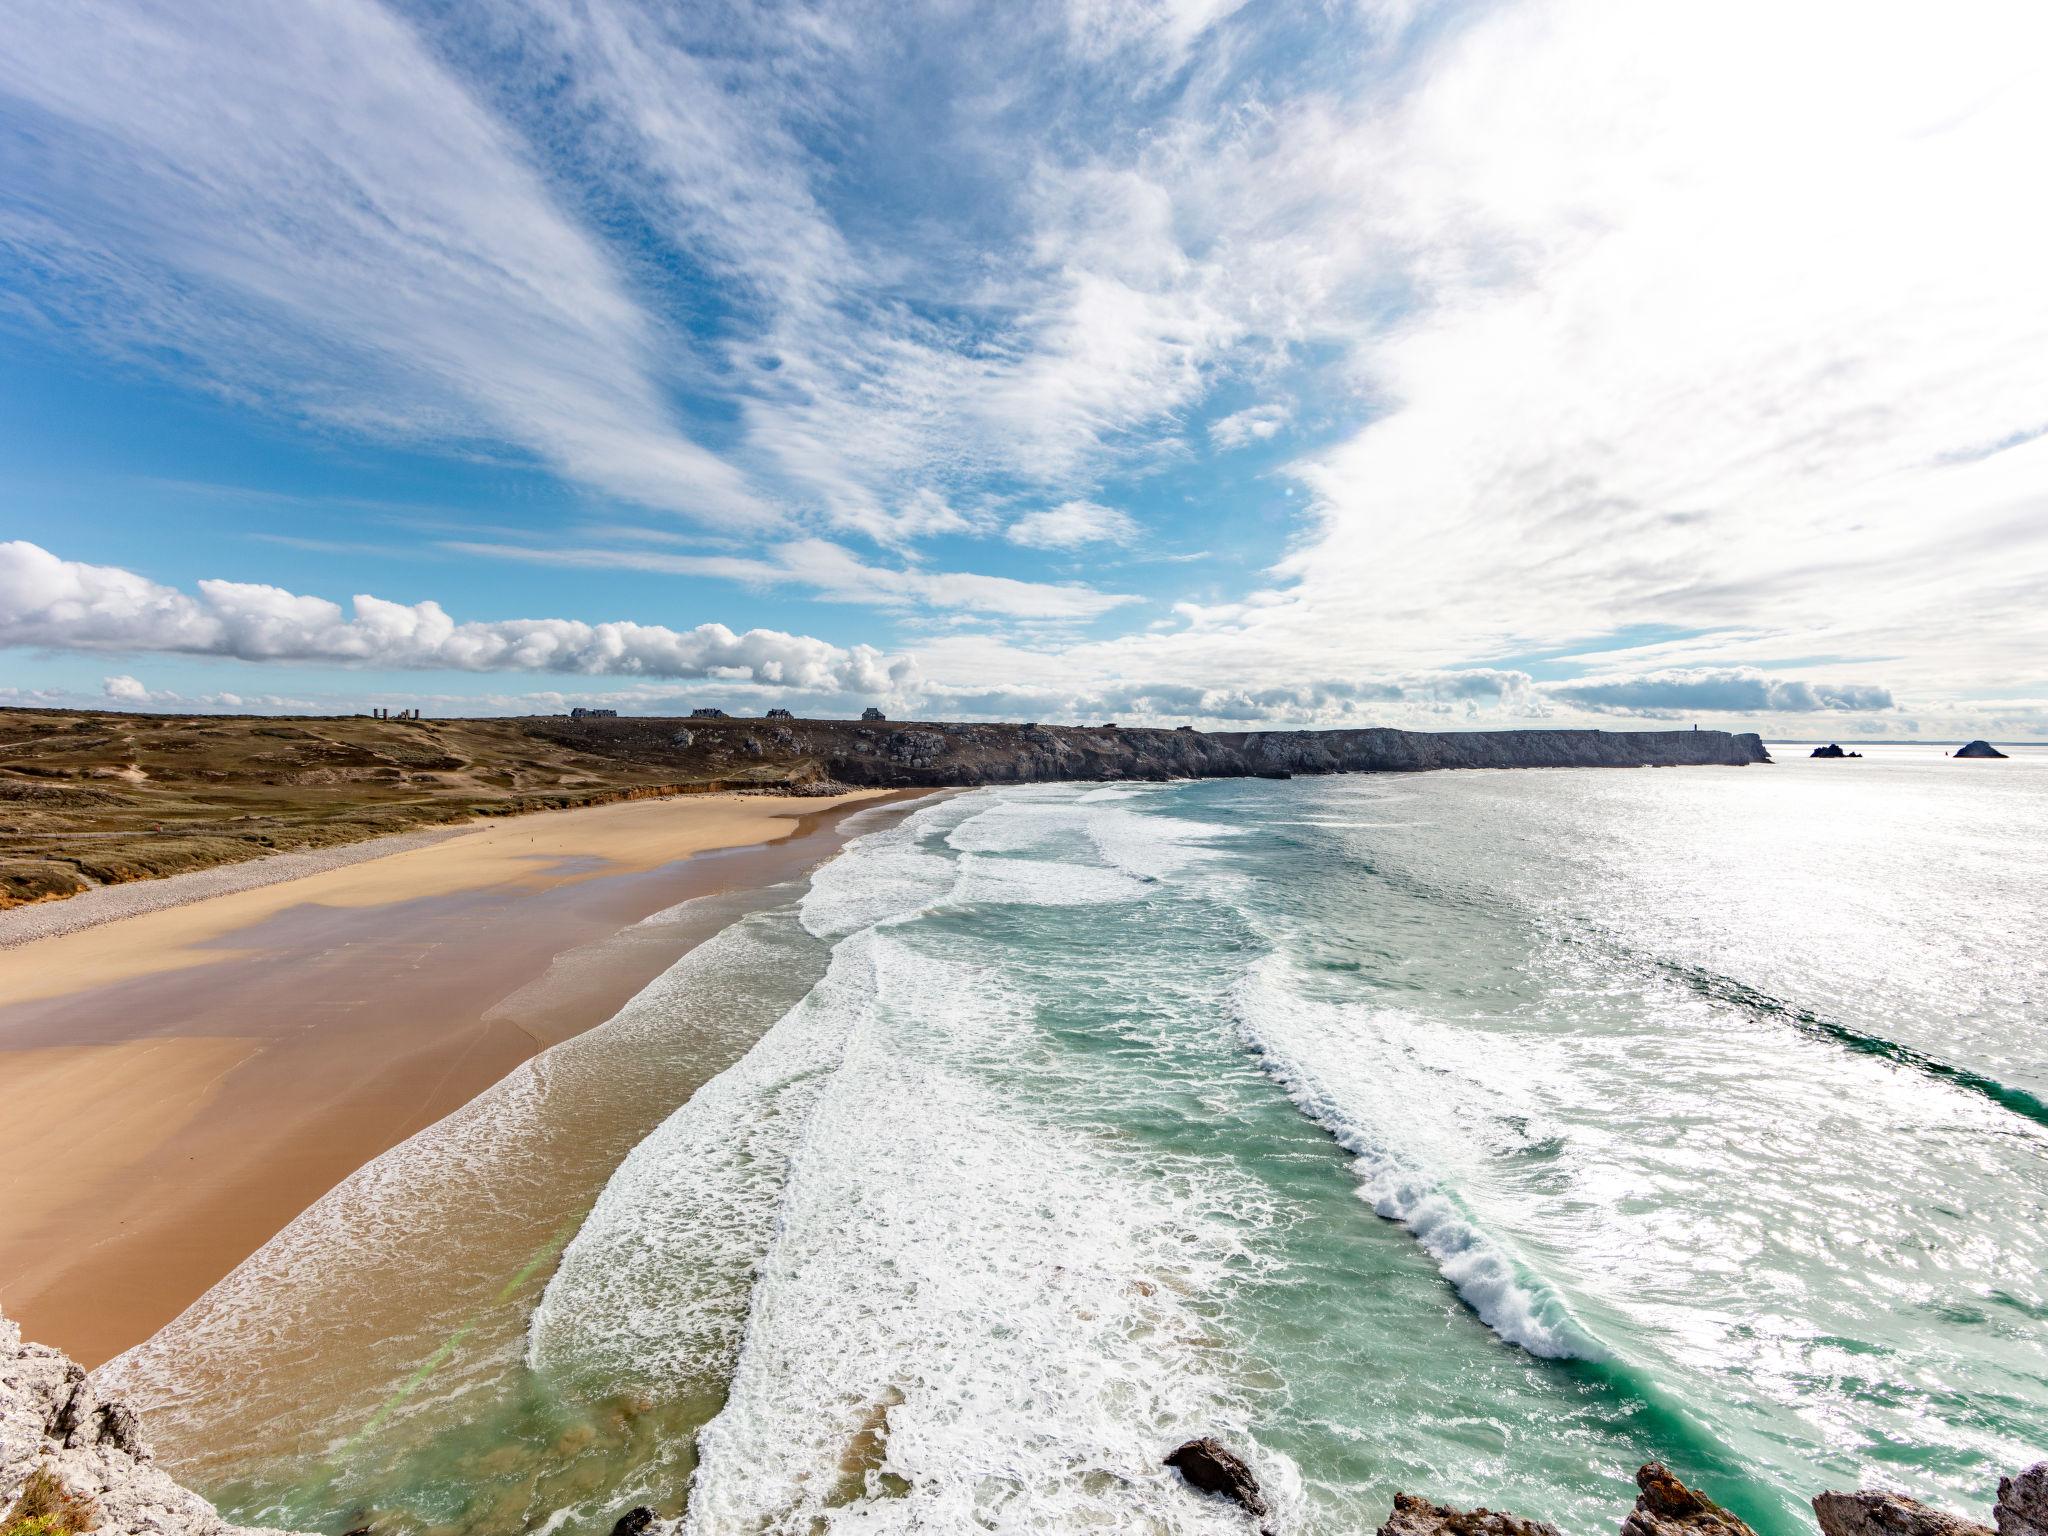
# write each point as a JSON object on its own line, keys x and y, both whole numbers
{"x": 1477, "y": 1135}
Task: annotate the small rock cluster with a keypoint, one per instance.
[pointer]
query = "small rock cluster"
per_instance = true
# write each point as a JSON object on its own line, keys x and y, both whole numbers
{"x": 1664, "y": 1506}
{"x": 52, "y": 1421}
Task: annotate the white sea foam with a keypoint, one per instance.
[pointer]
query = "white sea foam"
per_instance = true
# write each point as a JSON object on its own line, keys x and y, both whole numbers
{"x": 967, "y": 1311}
{"x": 972, "y": 1316}
{"x": 891, "y": 873}
{"x": 1364, "y": 1074}
{"x": 652, "y": 1293}
{"x": 343, "y": 1280}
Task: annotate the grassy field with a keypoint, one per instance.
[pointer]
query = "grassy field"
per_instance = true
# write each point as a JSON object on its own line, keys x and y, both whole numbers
{"x": 92, "y": 798}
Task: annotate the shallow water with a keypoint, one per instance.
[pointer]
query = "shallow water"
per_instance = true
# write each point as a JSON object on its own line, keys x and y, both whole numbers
{"x": 1481, "y": 1135}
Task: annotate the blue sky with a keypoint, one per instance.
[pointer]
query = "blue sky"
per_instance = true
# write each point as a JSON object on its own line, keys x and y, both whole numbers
{"x": 1325, "y": 363}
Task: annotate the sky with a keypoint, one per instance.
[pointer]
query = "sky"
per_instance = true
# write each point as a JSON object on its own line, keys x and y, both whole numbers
{"x": 1483, "y": 363}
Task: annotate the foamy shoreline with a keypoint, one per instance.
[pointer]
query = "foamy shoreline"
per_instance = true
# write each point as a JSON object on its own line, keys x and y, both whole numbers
{"x": 253, "y": 1046}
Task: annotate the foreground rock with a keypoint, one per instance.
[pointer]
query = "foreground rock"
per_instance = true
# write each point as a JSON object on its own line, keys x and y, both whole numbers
{"x": 1666, "y": 1507}
{"x": 84, "y": 1454}
{"x": 1213, "y": 1467}
{"x": 1978, "y": 749}
{"x": 1872, "y": 1512}
{"x": 2023, "y": 1503}
{"x": 1419, "y": 1517}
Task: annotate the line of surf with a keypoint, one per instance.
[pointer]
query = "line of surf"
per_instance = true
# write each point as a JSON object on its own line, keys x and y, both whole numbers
{"x": 1725, "y": 989}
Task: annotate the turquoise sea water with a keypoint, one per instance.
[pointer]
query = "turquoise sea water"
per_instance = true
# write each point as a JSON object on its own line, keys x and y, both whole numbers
{"x": 1478, "y": 1135}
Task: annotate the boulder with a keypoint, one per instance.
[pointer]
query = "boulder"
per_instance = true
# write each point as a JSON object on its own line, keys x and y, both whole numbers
{"x": 1212, "y": 1467}
{"x": 637, "y": 1521}
{"x": 683, "y": 737}
{"x": 1419, "y": 1517}
{"x": 2023, "y": 1502}
{"x": 1871, "y": 1512}
{"x": 1978, "y": 749}
{"x": 1833, "y": 749}
{"x": 1666, "y": 1507}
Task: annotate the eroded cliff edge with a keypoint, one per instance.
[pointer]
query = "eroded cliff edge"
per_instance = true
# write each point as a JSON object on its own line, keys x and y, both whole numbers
{"x": 71, "y": 1463}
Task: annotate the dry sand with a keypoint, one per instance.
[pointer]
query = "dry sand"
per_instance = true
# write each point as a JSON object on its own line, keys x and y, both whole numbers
{"x": 191, "y": 1078}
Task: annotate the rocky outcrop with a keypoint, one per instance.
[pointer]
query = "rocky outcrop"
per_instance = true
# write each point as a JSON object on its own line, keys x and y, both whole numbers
{"x": 1832, "y": 749}
{"x": 2023, "y": 1503}
{"x": 53, "y": 1423}
{"x": 1978, "y": 749}
{"x": 1872, "y": 1512}
{"x": 1212, "y": 1467}
{"x": 1666, "y": 1507}
{"x": 1419, "y": 1517}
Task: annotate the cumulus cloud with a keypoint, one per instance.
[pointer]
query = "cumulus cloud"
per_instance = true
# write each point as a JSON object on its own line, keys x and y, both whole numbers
{"x": 1072, "y": 524}
{"x": 123, "y": 689}
{"x": 1740, "y": 690}
{"x": 67, "y": 605}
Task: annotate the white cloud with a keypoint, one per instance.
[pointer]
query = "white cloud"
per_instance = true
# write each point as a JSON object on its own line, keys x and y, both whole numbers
{"x": 1739, "y": 690}
{"x": 835, "y": 574}
{"x": 380, "y": 254}
{"x": 125, "y": 690}
{"x": 1258, "y": 423}
{"x": 67, "y": 605}
{"x": 1072, "y": 524}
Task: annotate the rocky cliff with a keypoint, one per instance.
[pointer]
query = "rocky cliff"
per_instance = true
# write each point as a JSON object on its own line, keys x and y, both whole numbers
{"x": 71, "y": 1463}
{"x": 919, "y": 754}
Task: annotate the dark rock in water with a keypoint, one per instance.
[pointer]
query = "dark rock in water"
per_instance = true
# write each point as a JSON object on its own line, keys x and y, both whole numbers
{"x": 1419, "y": 1517}
{"x": 636, "y": 1521}
{"x": 2023, "y": 1503}
{"x": 1213, "y": 1467}
{"x": 1870, "y": 1512}
{"x": 1272, "y": 773}
{"x": 1666, "y": 1507}
{"x": 1978, "y": 749}
{"x": 1833, "y": 750}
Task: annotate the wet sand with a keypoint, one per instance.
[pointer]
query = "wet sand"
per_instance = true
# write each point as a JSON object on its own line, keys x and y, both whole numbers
{"x": 197, "y": 1076}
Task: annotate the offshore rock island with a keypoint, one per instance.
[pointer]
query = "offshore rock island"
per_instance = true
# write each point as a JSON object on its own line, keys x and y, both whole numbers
{"x": 93, "y": 798}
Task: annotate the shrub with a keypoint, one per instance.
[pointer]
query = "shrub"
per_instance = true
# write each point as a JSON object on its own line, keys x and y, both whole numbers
{"x": 47, "y": 1508}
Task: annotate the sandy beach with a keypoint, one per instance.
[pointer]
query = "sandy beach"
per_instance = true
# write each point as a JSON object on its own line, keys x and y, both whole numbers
{"x": 203, "y": 1072}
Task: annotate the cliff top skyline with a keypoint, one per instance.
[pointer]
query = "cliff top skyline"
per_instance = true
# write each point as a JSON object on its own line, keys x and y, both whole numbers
{"x": 1252, "y": 365}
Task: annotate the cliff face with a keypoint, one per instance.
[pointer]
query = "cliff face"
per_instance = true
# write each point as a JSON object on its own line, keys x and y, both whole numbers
{"x": 62, "y": 1447}
{"x": 919, "y": 754}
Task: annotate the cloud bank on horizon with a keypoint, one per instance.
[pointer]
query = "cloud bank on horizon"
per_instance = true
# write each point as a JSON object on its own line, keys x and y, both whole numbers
{"x": 1319, "y": 363}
